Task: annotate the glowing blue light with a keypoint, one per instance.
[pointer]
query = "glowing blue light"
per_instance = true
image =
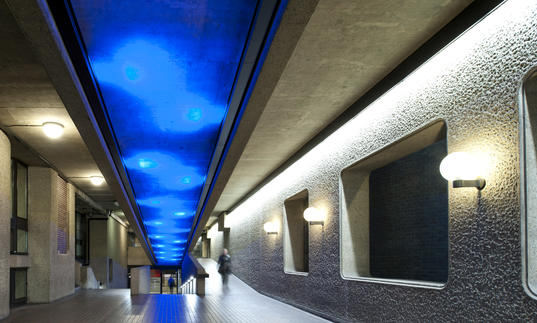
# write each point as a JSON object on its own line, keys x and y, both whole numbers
{"x": 147, "y": 163}
{"x": 194, "y": 114}
{"x": 166, "y": 85}
{"x": 132, "y": 73}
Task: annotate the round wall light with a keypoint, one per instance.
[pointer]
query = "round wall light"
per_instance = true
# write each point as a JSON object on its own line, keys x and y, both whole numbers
{"x": 314, "y": 216}
{"x": 270, "y": 228}
{"x": 97, "y": 180}
{"x": 53, "y": 130}
{"x": 463, "y": 169}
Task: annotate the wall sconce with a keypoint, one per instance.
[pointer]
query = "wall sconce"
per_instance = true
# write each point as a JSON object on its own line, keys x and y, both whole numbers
{"x": 462, "y": 169}
{"x": 270, "y": 228}
{"x": 314, "y": 216}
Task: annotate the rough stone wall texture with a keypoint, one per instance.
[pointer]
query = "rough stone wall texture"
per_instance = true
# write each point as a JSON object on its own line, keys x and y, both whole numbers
{"x": 51, "y": 275}
{"x": 474, "y": 84}
{"x": 5, "y": 218}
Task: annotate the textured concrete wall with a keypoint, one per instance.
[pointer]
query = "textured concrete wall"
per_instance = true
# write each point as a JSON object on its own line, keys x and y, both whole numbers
{"x": 5, "y": 218}
{"x": 474, "y": 84}
{"x": 51, "y": 275}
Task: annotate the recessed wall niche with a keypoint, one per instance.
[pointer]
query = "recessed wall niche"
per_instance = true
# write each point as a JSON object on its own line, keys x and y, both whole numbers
{"x": 528, "y": 149}
{"x": 296, "y": 234}
{"x": 394, "y": 213}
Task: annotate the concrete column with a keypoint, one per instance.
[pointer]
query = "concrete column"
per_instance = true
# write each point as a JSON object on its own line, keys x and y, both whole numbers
{"x": 51, "y": 274}
{"x": 140, "y": 280}
{"x": 5, "y": 218}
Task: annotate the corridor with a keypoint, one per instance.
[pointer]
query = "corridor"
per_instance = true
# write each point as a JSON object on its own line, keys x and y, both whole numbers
{"x": 239, "y": 303}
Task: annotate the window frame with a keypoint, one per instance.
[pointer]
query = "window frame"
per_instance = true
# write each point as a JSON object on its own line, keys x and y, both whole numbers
{"x": 17, "y": 223}
{"x": 427, "y": 126}
{"x": 13, "y": 302}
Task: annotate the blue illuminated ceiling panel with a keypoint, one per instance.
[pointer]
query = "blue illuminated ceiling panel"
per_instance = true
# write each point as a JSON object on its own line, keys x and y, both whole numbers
{"x": 165, "y": 70}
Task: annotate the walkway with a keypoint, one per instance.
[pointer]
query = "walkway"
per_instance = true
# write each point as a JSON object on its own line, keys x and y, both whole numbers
{"x": 239, "y": 303}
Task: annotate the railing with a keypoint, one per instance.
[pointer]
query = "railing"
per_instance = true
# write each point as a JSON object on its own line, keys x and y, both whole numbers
{"x": 189, "y": 287}
{"x": 193, "y": 275}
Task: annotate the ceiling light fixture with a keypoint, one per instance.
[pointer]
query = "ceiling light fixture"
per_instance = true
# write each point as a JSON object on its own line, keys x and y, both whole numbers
{"x": 97, "y": 180}
{"x": 53, "y": 130}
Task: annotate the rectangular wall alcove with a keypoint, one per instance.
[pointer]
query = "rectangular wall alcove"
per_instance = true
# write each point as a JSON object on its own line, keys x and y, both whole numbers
{"x": 394, "y": 213}
{"x": 296, "y": 234}
{"x": 528, "y": 150}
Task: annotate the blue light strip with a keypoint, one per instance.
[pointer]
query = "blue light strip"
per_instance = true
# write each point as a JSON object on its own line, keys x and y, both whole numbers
{"x": 166, "y": 74}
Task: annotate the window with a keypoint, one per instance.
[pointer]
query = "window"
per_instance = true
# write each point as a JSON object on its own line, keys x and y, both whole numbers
{"x": 19, "y": 217}
{"x": 528, "y": 149}
{"x": 18, "y": 286}
{"x": 394, "y": 213}
{"x": 296, "y": 234}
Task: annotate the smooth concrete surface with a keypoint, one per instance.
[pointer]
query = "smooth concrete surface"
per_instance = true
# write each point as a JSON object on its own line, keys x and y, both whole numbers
{"x": 51, "y": 274}
{"x": 237, "y": 294}
{"x": 117, "y": 252}
{"x": 108, "y": 252}
{"x": 98, "y": 249}
{"x": 345, "y": 48}
{"x": 529, "y": 189}
{"x": 5, "y": 220}
{"x": 29, "y": 98}
{"x": 117, "y": 306}
{"x": 474, "y": 84}
{"x": 140, "y": 280}
{"x": 137, "y": 257}
{"x": 295, "y": 234}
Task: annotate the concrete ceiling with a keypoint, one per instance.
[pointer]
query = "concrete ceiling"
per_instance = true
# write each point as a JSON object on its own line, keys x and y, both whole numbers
{"x": 27, "y": 97}
{"x": 345, "y": 49}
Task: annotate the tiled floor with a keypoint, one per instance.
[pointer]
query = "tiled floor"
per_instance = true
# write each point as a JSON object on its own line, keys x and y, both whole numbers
{"x": 237, "y": 303}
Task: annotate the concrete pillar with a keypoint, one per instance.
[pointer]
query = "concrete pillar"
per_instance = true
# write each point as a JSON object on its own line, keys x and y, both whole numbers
{"x": 140, "y": 280}
{"x": 51, "y": 275}
{"x": 205, "y": 246}
{"x": 5, "y": 218}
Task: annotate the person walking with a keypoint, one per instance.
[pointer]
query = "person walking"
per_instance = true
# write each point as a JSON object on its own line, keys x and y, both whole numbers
{"x": 171, "y": 283}
{"x": 224, "y": 266}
